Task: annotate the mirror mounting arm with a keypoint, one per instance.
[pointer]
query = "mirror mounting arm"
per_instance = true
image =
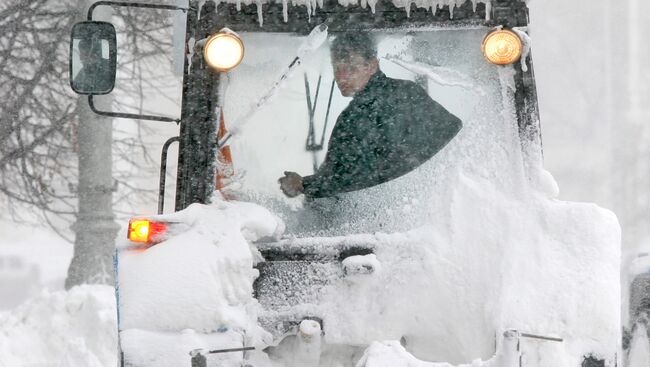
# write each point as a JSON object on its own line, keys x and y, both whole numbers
{"x": 132, "y": 5}
{"x": 129, "y": 115}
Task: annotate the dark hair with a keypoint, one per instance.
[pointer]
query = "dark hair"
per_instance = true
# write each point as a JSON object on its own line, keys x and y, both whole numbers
{"x": 88, "y": 47}
{"x": 359, "y": 43}
{"x": 85, "y": 43}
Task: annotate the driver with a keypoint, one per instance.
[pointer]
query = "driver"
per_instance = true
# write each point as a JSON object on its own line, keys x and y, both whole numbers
{"x": 95, "y": 71}
{"x": 390, "y": 127}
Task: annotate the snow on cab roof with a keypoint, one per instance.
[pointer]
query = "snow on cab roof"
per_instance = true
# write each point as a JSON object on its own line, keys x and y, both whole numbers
{"x": 312, "y": 5}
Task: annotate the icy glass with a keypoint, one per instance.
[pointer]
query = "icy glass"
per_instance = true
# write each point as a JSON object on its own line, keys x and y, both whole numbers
{"x": 91, "y": 70}
{"x": 92, "y": 58}
{"x": 446, "y": 64}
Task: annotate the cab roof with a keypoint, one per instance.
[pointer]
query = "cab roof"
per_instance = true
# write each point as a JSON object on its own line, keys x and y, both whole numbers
{"x": 283, "y": 16}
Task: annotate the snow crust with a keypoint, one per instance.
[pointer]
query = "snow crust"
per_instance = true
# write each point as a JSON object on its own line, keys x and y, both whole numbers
{"x": 61, "y": 329}
{"x": 199, "y": 279}
{"x": 393, "y": 354}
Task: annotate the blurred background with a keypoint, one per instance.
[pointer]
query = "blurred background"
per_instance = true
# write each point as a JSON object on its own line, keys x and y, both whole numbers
{"x": 591, "y": 66}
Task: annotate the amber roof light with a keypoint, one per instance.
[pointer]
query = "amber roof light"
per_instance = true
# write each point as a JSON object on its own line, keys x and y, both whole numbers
{"x": 502, "y": 47}
{"x": 223, "y": 51}
{"x": 145, "y": 231}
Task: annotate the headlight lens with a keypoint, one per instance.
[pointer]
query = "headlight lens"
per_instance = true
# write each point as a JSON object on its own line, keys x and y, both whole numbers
{"x": 502, "y": 47}
{"x": 223, "y": 51}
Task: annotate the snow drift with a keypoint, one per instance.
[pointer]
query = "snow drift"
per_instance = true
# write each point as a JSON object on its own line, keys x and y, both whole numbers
{"x": 76, "y": 328}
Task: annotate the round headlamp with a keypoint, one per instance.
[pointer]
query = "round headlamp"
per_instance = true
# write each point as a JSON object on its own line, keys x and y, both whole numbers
{"x": 223, "y": 51}
{"x": 502, "y": 47}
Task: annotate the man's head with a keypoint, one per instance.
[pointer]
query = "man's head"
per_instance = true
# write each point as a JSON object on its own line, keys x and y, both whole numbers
{"x": 89, "y": 53}
{"x": 354, "y": 59}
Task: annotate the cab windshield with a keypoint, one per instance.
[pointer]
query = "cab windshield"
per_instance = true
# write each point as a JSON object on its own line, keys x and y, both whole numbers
{"x": 379, "y": 154}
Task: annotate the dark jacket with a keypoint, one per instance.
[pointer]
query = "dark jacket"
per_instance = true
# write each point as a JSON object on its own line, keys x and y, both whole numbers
{"x": 388, "y": 129}
{"x": 95, "y": 77}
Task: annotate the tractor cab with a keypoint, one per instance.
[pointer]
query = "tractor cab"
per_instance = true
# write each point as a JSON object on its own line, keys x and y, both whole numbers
{"x": 419, "y": 223}
{"x": 441, "y": 51}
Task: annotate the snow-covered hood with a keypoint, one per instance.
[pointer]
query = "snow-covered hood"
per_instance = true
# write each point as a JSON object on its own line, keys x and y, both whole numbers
{"x": 201, "y": 277}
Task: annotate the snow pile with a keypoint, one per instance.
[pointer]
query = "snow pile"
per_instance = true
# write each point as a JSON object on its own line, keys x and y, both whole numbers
{"x": 201, "y": 277}
{"x": 488, "y": 257}
{"x": 393, "y": 354}
{"x": 486, "y": 261}
{"x": 172, "y": 349}
{"x": 61, "y": 329}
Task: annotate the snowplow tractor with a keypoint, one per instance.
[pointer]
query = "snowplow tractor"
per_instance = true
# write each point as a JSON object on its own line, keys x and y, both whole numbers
{"x": 362, "y": 184}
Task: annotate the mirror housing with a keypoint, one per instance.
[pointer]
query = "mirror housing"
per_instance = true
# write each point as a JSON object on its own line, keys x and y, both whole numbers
{"x": 93, "y": 58}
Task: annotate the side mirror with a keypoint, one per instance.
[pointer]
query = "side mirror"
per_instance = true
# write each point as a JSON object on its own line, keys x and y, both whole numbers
{"x": 93, "y": 58}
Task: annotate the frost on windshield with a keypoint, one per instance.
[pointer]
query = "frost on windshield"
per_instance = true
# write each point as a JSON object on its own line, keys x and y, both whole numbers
{"x": 363, "y": 123}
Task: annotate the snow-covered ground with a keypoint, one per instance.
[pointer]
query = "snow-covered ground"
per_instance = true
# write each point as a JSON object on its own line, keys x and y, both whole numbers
{"x": 31, "y": 259}
{"x": 61, "y": 329}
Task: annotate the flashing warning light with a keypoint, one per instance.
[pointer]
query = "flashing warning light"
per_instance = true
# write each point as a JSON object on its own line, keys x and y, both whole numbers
{"x": 223, "y": 51}
{"x": 502, "y": 47}
{"x": 145, "y": 231}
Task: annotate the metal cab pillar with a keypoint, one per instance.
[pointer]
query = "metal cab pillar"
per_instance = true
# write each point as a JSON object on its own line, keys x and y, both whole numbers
{"x": 199, "y": 118}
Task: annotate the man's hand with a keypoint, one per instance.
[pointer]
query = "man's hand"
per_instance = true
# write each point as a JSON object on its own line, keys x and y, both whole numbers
{"x": 291, "y": 184}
